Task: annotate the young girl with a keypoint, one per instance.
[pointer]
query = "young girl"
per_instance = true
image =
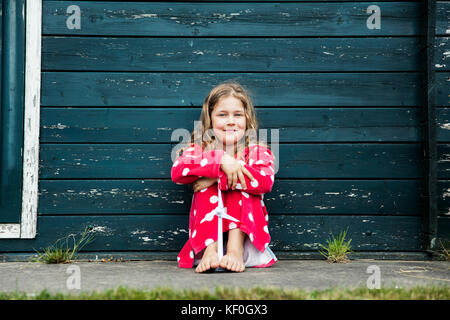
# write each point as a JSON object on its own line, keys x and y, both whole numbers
{"x": 222, "y": 155}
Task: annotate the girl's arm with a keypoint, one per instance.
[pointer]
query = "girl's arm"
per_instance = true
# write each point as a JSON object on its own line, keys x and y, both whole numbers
{"x": 261, "y": 166}
{"x": 195, "y": 163}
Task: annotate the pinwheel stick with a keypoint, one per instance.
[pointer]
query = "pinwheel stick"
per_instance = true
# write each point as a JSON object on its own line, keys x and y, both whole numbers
{"x": 220, "y": 211}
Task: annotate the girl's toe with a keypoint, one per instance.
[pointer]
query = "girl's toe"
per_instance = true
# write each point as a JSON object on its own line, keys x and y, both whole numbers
{"x": 223, "y": 263}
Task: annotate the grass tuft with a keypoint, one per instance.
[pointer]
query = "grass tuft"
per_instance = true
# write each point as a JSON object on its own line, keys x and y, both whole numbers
{"x": 444, "y": 249}
{"x": 337, "y": 248}
{"x": 61, "y": 251}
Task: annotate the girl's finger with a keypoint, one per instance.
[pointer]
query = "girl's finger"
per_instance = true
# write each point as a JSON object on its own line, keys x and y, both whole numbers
{"x": 229, "y": 180}
{"x": 242, "y": 179}
{"x": 248, "y": 174}
{"x": 234, "y": 180}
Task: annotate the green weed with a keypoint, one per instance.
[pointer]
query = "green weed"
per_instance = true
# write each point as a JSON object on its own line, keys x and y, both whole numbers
{"x": 61, "y": 251}
{"x": 337, "y": 248}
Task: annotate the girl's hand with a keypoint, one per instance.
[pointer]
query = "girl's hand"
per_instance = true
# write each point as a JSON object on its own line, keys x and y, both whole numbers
{"x": 234, "y": 171}
{"x": 203, "y": 183}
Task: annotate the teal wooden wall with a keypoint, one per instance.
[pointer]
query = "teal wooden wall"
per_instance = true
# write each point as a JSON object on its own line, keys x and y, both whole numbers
{"x": 345, "y": 98}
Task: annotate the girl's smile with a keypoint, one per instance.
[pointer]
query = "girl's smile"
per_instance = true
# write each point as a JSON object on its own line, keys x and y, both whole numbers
{"x": 228, "y": 120}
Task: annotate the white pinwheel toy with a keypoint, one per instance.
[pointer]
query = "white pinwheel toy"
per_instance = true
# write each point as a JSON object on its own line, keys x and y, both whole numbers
{"x": 221, "y": 213}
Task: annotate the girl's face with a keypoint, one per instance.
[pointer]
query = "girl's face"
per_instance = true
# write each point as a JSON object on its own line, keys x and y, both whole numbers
{"x": 228, "y": 120}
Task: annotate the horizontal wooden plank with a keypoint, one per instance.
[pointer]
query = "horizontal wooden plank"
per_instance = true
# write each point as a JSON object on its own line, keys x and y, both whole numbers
{"x": 442, "y": 17}
{"x": 443, "y": 162}
{"x": 97, "y": 256}
{"x": 230, "y": 54}
{"x": 234, "y": 1}
{"x": 266, "y": 89}
{"x": 443, "y": 124}
{"x": 443, "y": 199}
{"x": 232, "y": 19}
{"x": 443, "y": 231}
{"x": 141, "y": 161}
{"x": 143, "y": 125}
{"x": 166, "y": 233}
{"x": 442, "y": 54}
{"x": 442, "y": 88}
{"x": 302, "y": 197}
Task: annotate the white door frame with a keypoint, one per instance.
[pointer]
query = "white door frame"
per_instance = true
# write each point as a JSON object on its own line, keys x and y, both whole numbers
{"x": 30, "y": 151}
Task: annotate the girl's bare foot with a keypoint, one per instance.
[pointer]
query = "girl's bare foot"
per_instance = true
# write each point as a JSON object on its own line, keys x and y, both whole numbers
{"x": 234, "y": 259}
{"x": 209, "y": 259}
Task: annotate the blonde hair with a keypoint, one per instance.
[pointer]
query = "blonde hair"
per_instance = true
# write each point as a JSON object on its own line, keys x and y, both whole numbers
{"x": 201, "y": 135}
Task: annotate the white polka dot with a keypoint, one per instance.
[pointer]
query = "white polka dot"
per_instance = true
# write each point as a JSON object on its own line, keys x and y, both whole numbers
{"x": 190, "y": 149}
{"x": 266, "y": 153}
{"x": 195, "y": 211}
{"x": 175, "y": 163}
{"x": 250, "y": 162}
{"x": 185, "y": 171}
{"x": 250, "y": 217}
{"x": 245, "y": 194}
{"x": 240, "y": 202}
{"x": 233, "y": 225}
{"x": 178, "y": 259}
{"x": 204, "y": 162}
{"x": 194, "y": 233}
{"x": 266, "y": 230}
{"x": 262, "y": 196}
{"x": 263, "y": 173}
{"x": 262, "y": 203}
{"x": 208, "y": 242}
{"x": 213, "y": 199}
{"x": 251, "y": 237}
{"x": 259, "y": 162}
{"x": 254, "y": 183}
{"x": 203, "y": 190}
{"x": 238, "y": 186}
{"x": 272, "y": 177}
{"x": 191, "y": 254}
{"x": 267, "y": 217}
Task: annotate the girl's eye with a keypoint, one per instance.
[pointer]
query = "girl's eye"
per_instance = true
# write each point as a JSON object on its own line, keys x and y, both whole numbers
{"x": 237, "y": 115}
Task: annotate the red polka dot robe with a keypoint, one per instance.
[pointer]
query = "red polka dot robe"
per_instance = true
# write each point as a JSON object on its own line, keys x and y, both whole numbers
{"x": 246, "y": 206}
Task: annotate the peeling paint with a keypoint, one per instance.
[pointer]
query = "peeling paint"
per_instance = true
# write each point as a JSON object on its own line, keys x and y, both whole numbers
{"x": 144, "y": 15}
{"x": 98, "y": 229}
{"x": 58, "y": 126}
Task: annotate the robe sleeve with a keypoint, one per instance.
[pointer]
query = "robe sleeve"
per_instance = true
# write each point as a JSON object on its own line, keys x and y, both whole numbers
{"x": 261, "y": 166}
{"x": 195, "y": 163}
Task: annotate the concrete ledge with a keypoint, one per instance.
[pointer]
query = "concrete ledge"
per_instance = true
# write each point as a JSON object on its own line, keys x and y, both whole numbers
{"x": 287, "y": 274}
